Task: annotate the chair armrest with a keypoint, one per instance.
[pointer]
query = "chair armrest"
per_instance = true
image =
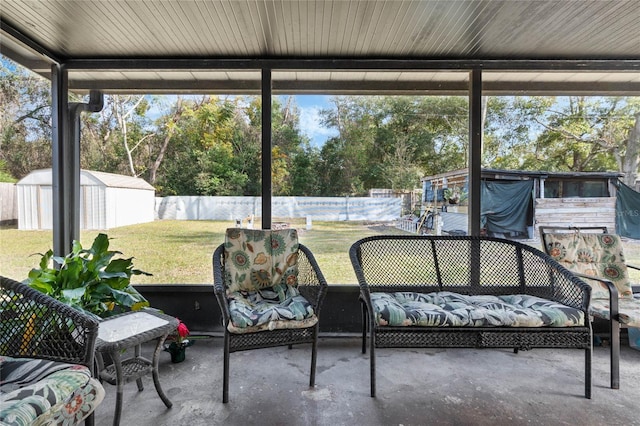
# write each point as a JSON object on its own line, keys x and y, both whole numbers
{"x": 35, "y": 325}
{"x": 636, "y": 267}
{"x": 613, "y": 294}
{"x": 218, "y": 284}
{"x": 311, "y": 282}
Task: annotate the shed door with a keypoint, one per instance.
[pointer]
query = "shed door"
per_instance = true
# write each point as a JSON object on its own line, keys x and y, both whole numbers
{"x": 45, "y": 207}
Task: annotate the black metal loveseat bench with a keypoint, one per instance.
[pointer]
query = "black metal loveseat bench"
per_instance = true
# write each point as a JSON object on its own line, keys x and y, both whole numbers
{"x": 467, "y": 292}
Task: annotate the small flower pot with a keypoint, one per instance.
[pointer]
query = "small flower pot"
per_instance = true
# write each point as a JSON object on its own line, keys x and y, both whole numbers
{"x": 178, "y": 354}
{"x": 178, "y": 351}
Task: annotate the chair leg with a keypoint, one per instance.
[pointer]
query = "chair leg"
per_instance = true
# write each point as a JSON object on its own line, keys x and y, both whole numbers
{"x": 614, "y": 335}
{"x": 225, "y": 376}
{"x": 365, "y": 323}
{"x": 90, "y": 420}
{"x": 587, "y": 371}
{"x": 314, "y": 352}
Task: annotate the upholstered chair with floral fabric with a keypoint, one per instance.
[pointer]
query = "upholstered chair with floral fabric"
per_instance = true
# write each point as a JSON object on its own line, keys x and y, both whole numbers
{"x": 270, "y": 291}
{"x": 46, "y": 359}
{"x": 598, "y": 258}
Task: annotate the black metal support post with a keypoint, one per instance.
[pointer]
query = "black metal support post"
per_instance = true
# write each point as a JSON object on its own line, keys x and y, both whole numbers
{"x": 61, "y": 162}
{"x": 475, "y": 149}
{"x": 65, "y": 162}
{"x": 266, "y": 149}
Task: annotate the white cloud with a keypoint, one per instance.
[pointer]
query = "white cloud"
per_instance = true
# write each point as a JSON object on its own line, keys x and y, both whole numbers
{"x": 310, "y": 125}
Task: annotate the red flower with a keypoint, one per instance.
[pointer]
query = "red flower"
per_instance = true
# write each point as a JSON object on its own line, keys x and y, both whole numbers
{"x": 183, "y": 331}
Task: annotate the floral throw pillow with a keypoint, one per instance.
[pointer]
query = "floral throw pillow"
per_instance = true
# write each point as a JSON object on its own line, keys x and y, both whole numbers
{"x": 256, "y": 259}
{"x": 592, "y": 254}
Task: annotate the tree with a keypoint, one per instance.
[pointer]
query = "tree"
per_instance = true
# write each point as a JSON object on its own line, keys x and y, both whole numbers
{"x": 392, "y": 141}
{"x": 171, "y": 128}
{"x": 565, "y": 134}
{"x": 112, "y": 139}
{"x": 25, "y": 120}
{"x": 204, "y": 157}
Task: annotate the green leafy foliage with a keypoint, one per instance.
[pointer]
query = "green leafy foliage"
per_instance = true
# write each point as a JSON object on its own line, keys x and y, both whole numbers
{"x": 90, "y": 280}
{"x": 211, "y": 145}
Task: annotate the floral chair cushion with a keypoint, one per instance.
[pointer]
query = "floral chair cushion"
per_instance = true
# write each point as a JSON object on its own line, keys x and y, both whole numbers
{"x": 628, "y": 309}
{"x": 457, "y": 310}
{"x": 592, "y": 254}
{"x": 256, "y": 259}
{"x": 38, "y": 392}
{"x": 278, "y": 307}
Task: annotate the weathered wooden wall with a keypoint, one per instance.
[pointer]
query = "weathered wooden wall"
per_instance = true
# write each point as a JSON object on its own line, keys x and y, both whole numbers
{"x": 576, "y": 212}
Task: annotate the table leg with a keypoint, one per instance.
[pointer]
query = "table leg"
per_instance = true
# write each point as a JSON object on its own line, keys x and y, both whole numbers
{"x": 156, "y": 380}
{"x": 117, "y": 362}
{"x": 138, "y": 381}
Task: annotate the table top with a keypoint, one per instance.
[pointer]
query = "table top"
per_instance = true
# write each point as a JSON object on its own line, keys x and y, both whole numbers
{"x": 132, "y": 328}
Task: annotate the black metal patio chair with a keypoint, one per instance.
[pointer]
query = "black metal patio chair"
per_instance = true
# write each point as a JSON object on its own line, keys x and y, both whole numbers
{"x": 597, "y": 257}
{"x": 270, "y": 290}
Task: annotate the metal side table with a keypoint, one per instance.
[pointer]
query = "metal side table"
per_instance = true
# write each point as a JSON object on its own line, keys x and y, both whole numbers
{"x": 130, "y": 330}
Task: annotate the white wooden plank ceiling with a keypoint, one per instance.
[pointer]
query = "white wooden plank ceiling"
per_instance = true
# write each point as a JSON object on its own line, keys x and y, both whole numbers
{"x": 604, "y": 32}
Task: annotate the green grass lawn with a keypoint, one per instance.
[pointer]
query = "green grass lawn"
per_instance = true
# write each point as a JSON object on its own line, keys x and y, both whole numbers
{"x": 179, "y": 252}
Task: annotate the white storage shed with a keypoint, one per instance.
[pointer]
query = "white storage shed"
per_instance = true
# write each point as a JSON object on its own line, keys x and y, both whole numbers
{"x": 106, "y": 200}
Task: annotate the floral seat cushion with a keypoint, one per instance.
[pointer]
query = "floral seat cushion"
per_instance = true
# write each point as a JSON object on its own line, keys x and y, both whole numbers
{"x": 281, "y": 306}
{"x": 592, "y": 254}
{"x": 457, "y": 310}
{"x": 629, "y": 310}
{"x": 38, "y": 392}
{"x": 261, "y": 276}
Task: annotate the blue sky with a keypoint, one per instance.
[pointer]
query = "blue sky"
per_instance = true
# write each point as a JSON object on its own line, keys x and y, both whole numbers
{"x": 309, "y": 106}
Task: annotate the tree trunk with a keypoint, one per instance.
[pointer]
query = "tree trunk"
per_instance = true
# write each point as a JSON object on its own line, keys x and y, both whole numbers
{"x": 153, "y": 170}
{"x": 631, "y": 159}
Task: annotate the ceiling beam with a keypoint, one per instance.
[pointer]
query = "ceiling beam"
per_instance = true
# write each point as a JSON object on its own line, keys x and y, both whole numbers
{"x": 7, "y": 30}
{"x": 369, "y": 87}
{"x": 404, "y": 64}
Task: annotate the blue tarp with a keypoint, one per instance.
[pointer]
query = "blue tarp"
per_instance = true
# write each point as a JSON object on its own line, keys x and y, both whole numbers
{"x": 627, "y": 211}
{"x": 504, "y": 205}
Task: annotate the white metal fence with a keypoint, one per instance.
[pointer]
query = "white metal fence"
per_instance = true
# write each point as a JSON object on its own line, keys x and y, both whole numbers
{"x": 317, "y": 208}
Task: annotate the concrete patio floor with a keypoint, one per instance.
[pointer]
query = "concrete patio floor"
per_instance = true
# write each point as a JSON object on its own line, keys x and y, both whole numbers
{"x": 415, "y": 387}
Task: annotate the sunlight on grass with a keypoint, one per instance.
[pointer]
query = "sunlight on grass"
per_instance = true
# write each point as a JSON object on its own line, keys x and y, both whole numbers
{"x": 179, "y": 252}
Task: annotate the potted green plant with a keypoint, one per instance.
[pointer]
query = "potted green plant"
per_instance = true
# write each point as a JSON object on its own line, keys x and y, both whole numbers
{"x": 455, "y": 195}
{"x": 91, "y": 280}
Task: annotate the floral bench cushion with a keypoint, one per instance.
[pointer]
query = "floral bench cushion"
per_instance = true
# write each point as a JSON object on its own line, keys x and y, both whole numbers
{"x": 457, "y": 310}
{"x": 37, "y": 392}
{"x": 592, "y": 254}
{"x": 257, "y": 259}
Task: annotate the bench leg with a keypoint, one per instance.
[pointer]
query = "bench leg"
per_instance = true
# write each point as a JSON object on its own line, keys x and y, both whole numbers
{"x": 614, "y": 330}
{"x": 372, "y": 355}
{"x": 587, "y": 372}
